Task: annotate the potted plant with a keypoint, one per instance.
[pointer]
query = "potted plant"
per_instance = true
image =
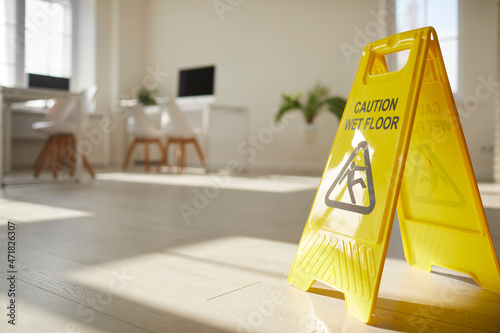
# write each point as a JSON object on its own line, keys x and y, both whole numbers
{"x": 146, "y": 96}
{"x": 317, "y": 100}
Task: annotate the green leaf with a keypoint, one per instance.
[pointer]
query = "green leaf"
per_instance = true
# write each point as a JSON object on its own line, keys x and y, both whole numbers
{"x": 146, "y": 96}
{"x": 317, "y": 99}
{"x": 289, "y": 102}
{"x": 336, "y": 105}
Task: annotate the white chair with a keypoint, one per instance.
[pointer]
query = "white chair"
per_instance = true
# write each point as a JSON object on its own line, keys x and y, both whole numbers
{"x": 141, "y": 131}
{"x": 66, "y": 118}
{"x": 177, "y": 131}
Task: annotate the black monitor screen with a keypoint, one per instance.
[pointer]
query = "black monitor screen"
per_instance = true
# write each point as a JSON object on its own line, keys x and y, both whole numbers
{"x": 196, "y": 81}
{"x": 45, "y": 81}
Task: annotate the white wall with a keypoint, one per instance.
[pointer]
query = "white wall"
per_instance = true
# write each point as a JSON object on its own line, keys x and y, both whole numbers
{"x": 104, "y": 54}
{"x": 478, "y": 46}
{"x": 85, "y": 38}
{"x": 121, "y": 40}
{"x": 261, "y": 49}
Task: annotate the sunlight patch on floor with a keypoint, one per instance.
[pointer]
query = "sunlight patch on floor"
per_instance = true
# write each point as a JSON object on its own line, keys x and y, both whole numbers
{"x": 273, "y": 184}
{"x": 490, "y": 194}
{"x": 20, "y": 211}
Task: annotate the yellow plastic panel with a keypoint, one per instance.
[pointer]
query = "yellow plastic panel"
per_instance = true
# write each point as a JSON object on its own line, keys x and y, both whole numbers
{"x": 440, "y": 211}
{"x": 347, "y": 233}
{"x": 346, "y": 236}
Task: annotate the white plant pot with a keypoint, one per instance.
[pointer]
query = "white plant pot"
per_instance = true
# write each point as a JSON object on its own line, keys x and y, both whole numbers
{"x": 308, "y": 133}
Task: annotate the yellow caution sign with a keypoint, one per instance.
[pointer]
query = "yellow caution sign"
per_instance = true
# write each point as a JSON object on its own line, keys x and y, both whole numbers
{"x": 399, "y": 142}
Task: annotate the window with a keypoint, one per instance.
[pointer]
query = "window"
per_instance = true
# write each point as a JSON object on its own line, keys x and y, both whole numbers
{"x": 48, "y": 37}
{"x": 443, "y": 16}
{"x": 8, "y": 38}
{"x": 45, "y": 26}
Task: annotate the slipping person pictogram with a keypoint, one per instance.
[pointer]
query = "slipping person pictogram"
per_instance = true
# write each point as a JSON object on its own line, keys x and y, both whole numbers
{"x": 349, "y": 171}
{"x": 432, "y": 183}
{"x": 351, "y": 181}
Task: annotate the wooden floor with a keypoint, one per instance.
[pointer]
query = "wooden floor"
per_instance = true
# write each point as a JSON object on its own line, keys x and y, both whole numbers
{"x": 117, "y": 255}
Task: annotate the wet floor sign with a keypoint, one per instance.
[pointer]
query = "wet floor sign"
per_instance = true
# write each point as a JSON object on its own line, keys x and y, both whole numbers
{"x": 399, "y": 142}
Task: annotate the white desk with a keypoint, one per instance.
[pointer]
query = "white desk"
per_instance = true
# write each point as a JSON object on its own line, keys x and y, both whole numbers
{"x": 202, "y": 115}
{"x": 9, "y": 96}
{"x": 17, "y": 95}
{"x": 207, "y": 126}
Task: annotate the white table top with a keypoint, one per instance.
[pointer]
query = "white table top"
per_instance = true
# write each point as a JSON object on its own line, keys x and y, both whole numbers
{"x": 16, "y": 95}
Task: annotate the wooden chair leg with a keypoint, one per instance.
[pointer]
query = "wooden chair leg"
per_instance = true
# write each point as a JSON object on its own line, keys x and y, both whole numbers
{"x": 184, "y": 156}
{"x": 146, "y": 154}
{"x": 57, "y": 148}
{"x": 43, "y": 153}
{"x": 162, "y": 154}
{"x": 56, "y": 165}
{"x": 85, "y": 160}
{"x": 88, "y": 166}
{"x": 180, "y": 156}
{"x": 53, "y": 153}
{"x": 129, "y": 154}
{"x": 47, "y": 154}
{"x": 200, "y": 153}
{"x": 167, "y": 146}
{"x": 70, "y": 140}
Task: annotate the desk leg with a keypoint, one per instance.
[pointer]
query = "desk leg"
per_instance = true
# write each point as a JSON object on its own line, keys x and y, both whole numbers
{"x": 8, "y": 140}
{"x": 206, "y": 134}
{"x": 247, "y": 134}
{"x": 77, "y": 138}
{"x": 1, "y": 138}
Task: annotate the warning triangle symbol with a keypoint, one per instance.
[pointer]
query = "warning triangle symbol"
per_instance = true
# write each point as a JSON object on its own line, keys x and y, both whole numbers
{"x": 431, "y": 182}
{"x": 353, "y": 189}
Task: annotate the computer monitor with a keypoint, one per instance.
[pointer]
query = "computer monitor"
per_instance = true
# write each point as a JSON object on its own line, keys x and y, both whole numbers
{"x": 197, "y": 82}
{"x": 46, "y": 81}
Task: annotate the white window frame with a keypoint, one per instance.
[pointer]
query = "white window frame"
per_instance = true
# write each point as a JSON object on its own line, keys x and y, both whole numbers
{"x": 20, "y": 79}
